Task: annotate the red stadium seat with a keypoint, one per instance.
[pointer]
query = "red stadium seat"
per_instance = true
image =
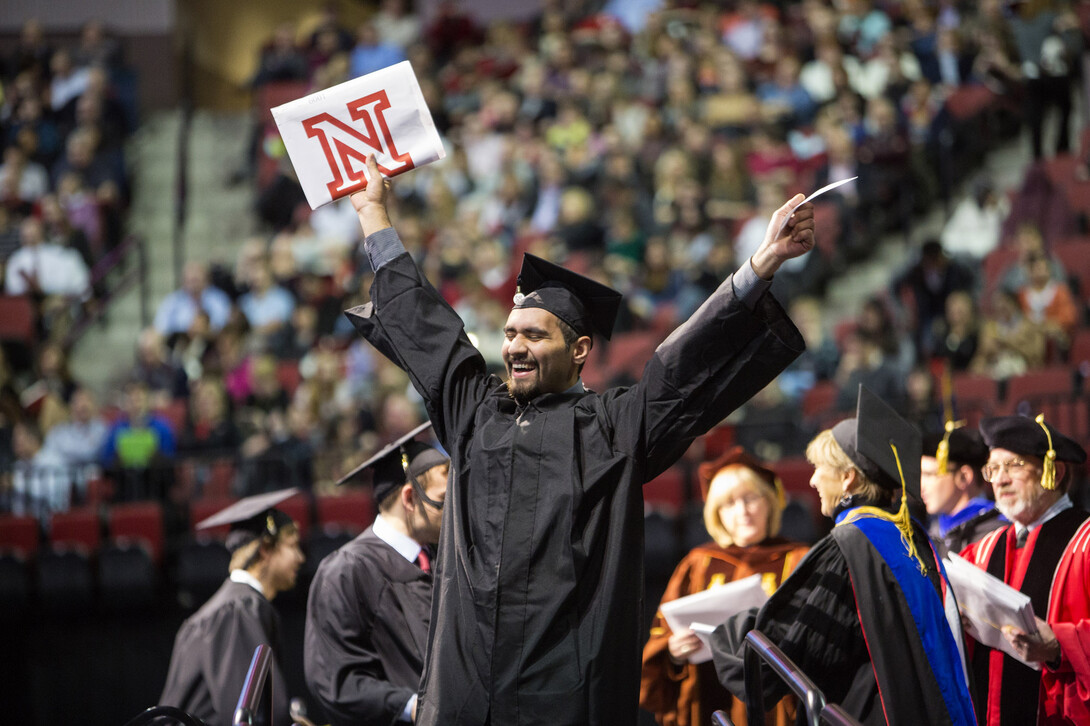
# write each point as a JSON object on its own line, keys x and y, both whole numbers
{"x": 1075, "y": 256}
{"x": 718, "y": 440}
{"x": 665, "y": 493}
{"x": 80, "y": 527}
{"x": 351, "y": 511}
{"x": 819, "y": 400}
{"x": 139, "y": 521}
{"x": 975, "y": 397}
{"x": 1079, "y": 355}
{"x": 629, "y": 352}
{"x": 18, "y": 319}
{"x": 19, "y": 533}
{"x": 287, "y": 372}
{"x": 203, "y": 508}
{"x": 1031, "y": 390}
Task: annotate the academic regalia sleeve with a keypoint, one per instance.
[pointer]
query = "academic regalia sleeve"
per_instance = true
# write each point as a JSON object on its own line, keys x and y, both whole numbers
{"x": 236, "y": 632}
{"x": 660, "y": 679}
{"x": 713, "y": 363}
{"x": 811, "y": 618}
{"x": 342, "y": 667}
{"x": 412, "y": 325}
{"x": 1067, "y": 687}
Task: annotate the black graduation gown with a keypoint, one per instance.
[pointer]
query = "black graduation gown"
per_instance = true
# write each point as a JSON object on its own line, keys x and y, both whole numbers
{"x": 842, "y": 618}
{"x": 212, "y": 653}
{"x": 366, "y": 632}
{"x": 536, "y": 618}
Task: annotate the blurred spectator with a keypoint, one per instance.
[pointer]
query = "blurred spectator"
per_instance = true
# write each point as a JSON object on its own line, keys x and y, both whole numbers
{"x": 1049, "y": 303}
{"x": 863, "y": 25}
{"x": 281, "y": 59}
{"x": 928, "y": 282}
{"x": 955, "y": 334}
{"x": 41, "y": 483}
{"x": 40, "y": 267}
{"x": 164, "y": 378}
{"x": 138, "y": 447}
{"x": 209, "y": 427}
{"x": 67, "y": 81}
{"x": 372, "y": 52}
{"x": 279, "y": 455}
{"x": 177, "y": 310}
{"x": 820, "y": 359}
{"x": 769, "y": 425}
{"x": 267, "y": 394}
{"x": 97, "y": 47}
{"x": 48, "y": 396}
{"x": 32, "y": 51}
{"x": 783, "y": 98}
{"x": 23, "y": 181}
{"x": 79, "y": 440}
{"x": 974, "y": 228}
{"x": 923, "y": 406}
{"x": 1030, "y": 244}
{"x": 397, "y": 24}
{"x": 267, "y": 308}
{"x": 1010, "y": 343}
{"x": 862, "y": 361}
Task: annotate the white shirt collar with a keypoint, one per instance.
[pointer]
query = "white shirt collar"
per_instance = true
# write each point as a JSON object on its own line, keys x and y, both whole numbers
{"x": 405, "y": 545}
{"x": 1060, "y": 505}
{"x": 245, "y": 578}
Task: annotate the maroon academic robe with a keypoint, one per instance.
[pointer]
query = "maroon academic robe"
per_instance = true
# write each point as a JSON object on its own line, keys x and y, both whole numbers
{"x": 1053, "y": 568}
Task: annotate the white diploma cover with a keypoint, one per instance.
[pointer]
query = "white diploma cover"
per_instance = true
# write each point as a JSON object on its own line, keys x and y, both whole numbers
{"x": 706, "y": 610}
{"x": 989, "y": 604}
{"x": 330, "y": 134}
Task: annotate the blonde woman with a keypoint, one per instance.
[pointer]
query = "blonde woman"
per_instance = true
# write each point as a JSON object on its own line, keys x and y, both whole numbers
{"x": 742, "y": 508}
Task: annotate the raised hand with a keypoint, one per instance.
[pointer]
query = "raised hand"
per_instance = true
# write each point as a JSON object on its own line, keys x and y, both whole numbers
{"x": 789, "y": 234}
{"x": 370, "y": 202}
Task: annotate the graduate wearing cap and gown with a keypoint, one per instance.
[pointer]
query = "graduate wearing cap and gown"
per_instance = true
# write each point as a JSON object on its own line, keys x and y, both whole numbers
{"x": 214, "y": 646}
{"x": 1044, "y": 553}
{"x": 868, "y": 615}
{"x": 536, "y": 617}
{"x": 681, "y": 693}
{"x": 370, "y": 601}
{"x": 953, "y": 488}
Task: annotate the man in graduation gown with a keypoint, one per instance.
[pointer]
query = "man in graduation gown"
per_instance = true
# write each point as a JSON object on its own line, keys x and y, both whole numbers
{"x": 953, "y": 488}
{"x": 214, "y": 646}
{"x": 868, "y": 615}
{"x": 536, "y": 618}
{"x": 370, "y": 601}
{"x": 1044, "y": 553}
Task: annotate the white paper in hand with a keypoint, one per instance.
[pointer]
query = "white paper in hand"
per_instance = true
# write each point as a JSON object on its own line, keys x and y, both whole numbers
{"x": 813, "y": 196}
{"x": 330, "y": 134}
{"x": 989, "y": 604}
{"x": 710, "y": 608}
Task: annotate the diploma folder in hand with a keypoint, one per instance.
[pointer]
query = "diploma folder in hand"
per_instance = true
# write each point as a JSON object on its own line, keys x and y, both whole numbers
{"x": 708, "y": 609}
{"x": 989, "y": 604}
{"x": 330, "y": 134}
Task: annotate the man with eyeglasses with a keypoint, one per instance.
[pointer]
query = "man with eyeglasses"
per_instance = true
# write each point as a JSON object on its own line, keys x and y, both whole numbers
{"x": 1044, "y": 553}
{"x": 370, "y": 601}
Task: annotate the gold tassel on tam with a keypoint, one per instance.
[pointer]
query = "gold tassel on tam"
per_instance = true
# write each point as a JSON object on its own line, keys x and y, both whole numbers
{"x": 1048, "y": 471}
{"x": 902, "y": 519}
{"x": 942, "y": 453}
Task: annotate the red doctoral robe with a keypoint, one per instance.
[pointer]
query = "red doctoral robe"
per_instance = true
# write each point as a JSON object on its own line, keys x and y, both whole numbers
{"x": 1053, "y": 568}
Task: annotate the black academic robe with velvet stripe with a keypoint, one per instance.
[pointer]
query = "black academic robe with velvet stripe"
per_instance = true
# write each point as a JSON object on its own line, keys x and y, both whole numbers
{"x": 537, "y": 610}
{"x": 366, "y": 632}
{"x": 212, "y": 654}
{"x": 844, "y": 619}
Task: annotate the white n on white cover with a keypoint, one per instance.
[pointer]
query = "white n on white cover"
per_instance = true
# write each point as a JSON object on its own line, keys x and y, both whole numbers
{"x": 989, "y": 604}
{"x": 329, "y": 134}
{"x": 711, "y": 607}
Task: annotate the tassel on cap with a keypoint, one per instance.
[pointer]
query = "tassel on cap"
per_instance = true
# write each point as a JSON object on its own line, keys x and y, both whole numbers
{"x": 1048, "y": 473}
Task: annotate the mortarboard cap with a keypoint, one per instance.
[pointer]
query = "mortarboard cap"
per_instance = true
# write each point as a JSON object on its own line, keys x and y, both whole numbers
{"x": 966, "y": 446}
{"x": 1023, "y": 435}
{"x": 866, "y": 440}
{"x": 252, "y": 517}
{"x": 389, "y": 471}
{"x": 587, "y": 306}
{"x": 737, "y": 455}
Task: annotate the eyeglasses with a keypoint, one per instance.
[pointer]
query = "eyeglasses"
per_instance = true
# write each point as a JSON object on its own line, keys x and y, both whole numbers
{"x": 1015, "y": 468}
{"x": 747, "y": 500}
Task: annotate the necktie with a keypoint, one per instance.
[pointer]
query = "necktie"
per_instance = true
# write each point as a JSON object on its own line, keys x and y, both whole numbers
{"x": 424, "y": 562}
{"x": 1023, "y": 535}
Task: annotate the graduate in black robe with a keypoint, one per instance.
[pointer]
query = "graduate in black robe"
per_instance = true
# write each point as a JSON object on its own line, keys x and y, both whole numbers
{"x": 214, "y": 646}
{"x": 871, "y": 621}
{"x": 536, "y": 617}
{"x": 370, "y": 601}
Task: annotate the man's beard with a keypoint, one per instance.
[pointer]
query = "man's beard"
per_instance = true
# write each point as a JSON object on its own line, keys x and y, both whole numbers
{"x": 525, "y": 394}
{"x": 1017, "y": 511}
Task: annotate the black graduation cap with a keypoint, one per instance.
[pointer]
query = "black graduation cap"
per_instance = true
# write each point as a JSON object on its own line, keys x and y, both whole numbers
{"x": 401, "y": 461}
{"x": 579, "y": 301}
{"x": 252, "y": 517}
{"x": 966, "y": 446}
{"x": 1025, "y": 436}
{"x": 866, "y": 440}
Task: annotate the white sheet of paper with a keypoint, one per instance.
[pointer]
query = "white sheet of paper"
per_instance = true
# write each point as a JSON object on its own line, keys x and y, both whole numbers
{"x": 814, "y": 195}
{"x": 708, "y": 609}
{"x": 989, "y": 604}
{"x": 329, "y": 134}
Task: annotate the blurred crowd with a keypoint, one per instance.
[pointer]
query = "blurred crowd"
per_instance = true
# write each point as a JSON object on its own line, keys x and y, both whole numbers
{"x": 645, "y": 149}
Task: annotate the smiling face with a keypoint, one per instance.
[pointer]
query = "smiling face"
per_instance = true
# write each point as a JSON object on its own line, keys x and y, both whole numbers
{"x": 744, "y": 510}
{"x": 537, "y": 359}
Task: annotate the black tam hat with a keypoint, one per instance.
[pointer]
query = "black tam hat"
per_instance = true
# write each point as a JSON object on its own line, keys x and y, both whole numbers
{"x": 252, "y": 517}
{"x": 966, "y": 446}
{"x": 402, "y": 461}
{"x": 587, "y": 306}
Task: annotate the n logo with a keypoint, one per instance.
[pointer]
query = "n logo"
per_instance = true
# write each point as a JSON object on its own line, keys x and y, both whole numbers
{"x": 346, "y": 148}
